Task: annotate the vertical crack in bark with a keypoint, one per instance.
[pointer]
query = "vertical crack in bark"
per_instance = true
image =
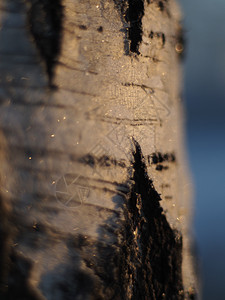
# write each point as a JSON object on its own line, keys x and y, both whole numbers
{"x": 134, "y": 16}
{"x": 132, "y": 12}
{"x": 152, "y": 249}
{"x": 45, "y": 22}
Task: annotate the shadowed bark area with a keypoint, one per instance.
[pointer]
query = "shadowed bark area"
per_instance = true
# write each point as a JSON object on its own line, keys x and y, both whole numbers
{"x": 45, "y": 23}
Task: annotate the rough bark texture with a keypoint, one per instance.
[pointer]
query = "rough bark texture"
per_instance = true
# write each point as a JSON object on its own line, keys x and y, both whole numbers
{"x": 95, "y": 197}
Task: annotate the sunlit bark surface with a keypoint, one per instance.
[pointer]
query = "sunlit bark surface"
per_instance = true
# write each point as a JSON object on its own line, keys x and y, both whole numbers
{"x": 95, "y": 197}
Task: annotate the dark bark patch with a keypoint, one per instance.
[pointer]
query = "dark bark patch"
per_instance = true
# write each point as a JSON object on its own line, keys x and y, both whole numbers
{"x": 102, "y": 161}
{"x": 18, "y": 283}
{"x": 145, "y": 261}
{"x": 153, "y": 250}
{"x": 158, "y": 157}
{"x": 168, "y": 197}
{"x": 161, "y": 167}
{"x": 100, "y": 29}
{"x": 83, "y": 27}
{"x": 192, "y": 295}
{"x": 134, "y": 16}
{"x": 132, "y": 12}
{"x": 161, "y": 4}
{"x": 45, "y": 24}
{"x": 160, "y": 35}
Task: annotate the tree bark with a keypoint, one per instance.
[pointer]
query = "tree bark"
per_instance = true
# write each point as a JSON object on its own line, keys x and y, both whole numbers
{"x": 95, "y": 196}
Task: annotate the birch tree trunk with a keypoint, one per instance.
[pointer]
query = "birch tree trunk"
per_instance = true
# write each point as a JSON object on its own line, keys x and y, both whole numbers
{"x": 95, "y": 197}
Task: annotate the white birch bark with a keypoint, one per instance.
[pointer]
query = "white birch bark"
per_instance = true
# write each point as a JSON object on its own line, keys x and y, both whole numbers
{"x": 93, "y": 138}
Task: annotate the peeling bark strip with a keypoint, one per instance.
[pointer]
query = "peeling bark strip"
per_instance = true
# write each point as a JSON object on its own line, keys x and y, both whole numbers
{"x": 45, "y": 22}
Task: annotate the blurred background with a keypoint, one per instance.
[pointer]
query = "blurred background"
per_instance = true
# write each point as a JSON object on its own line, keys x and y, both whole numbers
{"x": 204, "y": 93}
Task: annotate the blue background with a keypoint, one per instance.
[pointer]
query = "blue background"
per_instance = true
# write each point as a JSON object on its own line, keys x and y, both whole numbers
{"x": 204, "y": 93}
